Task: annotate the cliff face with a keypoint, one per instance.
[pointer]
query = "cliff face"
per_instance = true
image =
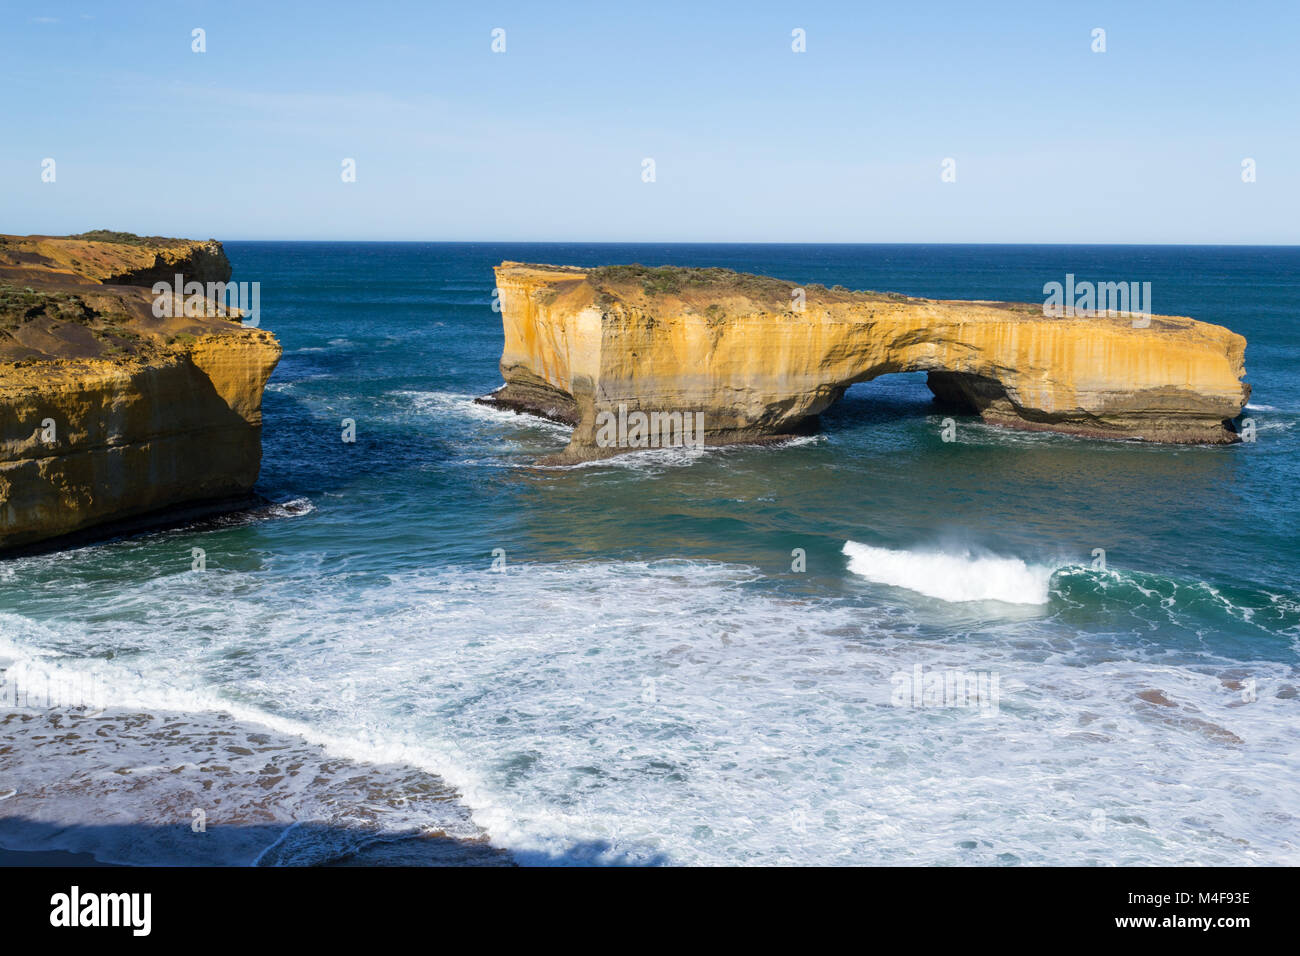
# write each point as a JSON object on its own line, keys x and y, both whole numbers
{"x": 108, "y": 412}
{"x": 583, "y": 346}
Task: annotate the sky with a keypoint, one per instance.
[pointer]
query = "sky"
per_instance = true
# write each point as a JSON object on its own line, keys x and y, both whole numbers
{"x": 1050, "y": 140}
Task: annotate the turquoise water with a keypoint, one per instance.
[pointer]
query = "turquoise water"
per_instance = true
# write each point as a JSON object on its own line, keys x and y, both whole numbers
{"x": 647, "y": 679}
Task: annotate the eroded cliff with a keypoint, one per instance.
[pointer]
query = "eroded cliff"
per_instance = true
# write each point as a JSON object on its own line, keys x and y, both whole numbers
{"x": 109, "y": 412}
{"x": 755, "y": 360}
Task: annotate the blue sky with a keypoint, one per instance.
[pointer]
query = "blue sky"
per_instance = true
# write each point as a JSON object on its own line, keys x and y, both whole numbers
{"x": 751, "y": 141}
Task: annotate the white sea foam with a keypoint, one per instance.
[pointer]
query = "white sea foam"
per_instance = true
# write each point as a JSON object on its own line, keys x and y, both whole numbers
{"x": 270, "y": 796}
{"x": 681, "y": 711}
{"x": 291, "y": 508}
{"x": 655, "y": 461}
{"x": 800, "y": 441}
{"x": 957, "y": 576}
{"x": 455, "y": 404}
{"x": 439, "y": 404}
{"x": 648, "y": 460}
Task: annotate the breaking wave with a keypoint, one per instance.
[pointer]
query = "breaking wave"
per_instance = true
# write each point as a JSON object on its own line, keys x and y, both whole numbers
{"x": 953, "y": 576}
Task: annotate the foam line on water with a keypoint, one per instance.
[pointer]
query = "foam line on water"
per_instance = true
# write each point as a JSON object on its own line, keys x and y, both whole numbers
{"x": 100, "y": 684}
{"x": 683, "y": 711}
{"x": 438, "y": 403}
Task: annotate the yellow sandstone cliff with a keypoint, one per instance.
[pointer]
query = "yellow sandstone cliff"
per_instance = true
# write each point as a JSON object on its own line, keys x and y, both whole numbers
{"x": 108, "y": 413}
{"x": 741, "y": 351}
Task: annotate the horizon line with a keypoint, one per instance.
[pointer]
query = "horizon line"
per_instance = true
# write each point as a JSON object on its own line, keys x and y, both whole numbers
{"x": 761, "y": 242}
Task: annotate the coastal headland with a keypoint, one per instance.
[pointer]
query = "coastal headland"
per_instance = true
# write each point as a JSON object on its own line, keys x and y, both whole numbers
{"x": 114, "y": 410}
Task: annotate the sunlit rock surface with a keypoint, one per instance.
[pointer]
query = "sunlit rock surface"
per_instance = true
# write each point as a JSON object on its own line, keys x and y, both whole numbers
{"x": 108, "y": 412}
{"x": 583, "y": 346}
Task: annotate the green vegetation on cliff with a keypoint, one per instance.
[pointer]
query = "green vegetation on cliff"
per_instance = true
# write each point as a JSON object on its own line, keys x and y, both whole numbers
{"x": 48, "y": 311}
{"x": 696, "y": 283}
{"x": 124, "y": 238}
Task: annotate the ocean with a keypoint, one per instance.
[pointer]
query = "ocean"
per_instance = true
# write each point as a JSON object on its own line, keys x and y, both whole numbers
{"x": 426, "y": 648}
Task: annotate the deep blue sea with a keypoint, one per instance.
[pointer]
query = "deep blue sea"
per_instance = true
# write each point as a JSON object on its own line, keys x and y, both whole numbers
{"x": 643, "y": 677}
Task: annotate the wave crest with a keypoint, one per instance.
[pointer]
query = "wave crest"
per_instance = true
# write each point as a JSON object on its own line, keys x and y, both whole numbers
{"x": 953, "y": 576}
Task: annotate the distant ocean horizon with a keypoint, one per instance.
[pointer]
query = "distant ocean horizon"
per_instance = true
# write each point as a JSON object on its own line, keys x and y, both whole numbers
{"x": 774, "y": 242}
{"x": 424, "y": 634}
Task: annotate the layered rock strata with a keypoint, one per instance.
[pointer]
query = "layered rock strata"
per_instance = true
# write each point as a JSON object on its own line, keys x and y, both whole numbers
{"x": 110, "y": 414}
{"x": 759, "y": 358}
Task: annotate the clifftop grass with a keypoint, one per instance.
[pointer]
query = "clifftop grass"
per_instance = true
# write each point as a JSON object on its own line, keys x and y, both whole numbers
{"x": 48, "y": 311}
{"x": 677, "y": 280}
{"x": 125, "y": 238}
{"x": 702, "y": 286}
{"x": 698, "y": 283}
{"x": 21, "y": 305}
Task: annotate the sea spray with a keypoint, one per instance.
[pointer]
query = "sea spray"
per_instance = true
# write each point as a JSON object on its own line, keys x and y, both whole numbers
{"x": 952, "y": 576}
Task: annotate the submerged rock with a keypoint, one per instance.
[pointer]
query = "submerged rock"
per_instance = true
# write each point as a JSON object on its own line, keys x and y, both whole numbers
{"x": 760, "y": 357}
